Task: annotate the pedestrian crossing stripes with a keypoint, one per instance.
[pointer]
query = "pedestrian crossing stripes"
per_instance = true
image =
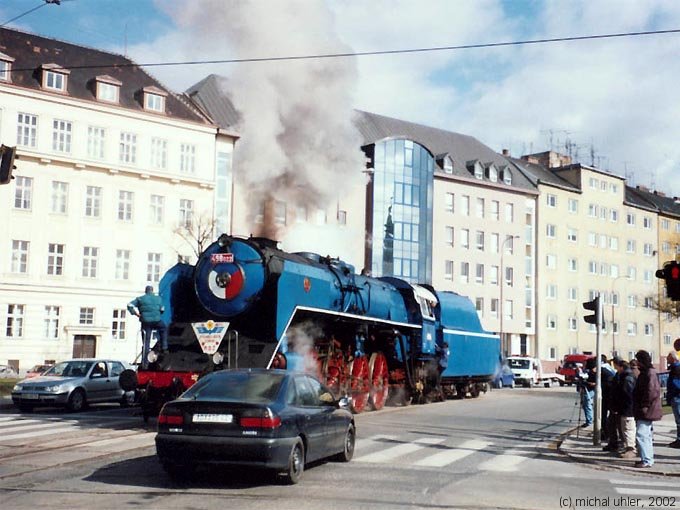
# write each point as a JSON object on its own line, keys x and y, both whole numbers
{"x": 648, "y": 488}
{"x": 404, "y": 451}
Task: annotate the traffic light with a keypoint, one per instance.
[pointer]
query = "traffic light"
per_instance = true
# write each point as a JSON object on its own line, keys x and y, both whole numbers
{"x": 7, "y": 155}
{"x": 671, "y": 275}
{"x": 593, "y": 305}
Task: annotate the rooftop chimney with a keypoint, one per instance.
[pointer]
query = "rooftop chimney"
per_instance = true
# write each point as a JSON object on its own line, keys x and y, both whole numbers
{"x": 506, "y": 152}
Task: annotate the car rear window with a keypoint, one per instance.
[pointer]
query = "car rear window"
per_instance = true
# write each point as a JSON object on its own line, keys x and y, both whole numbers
{"x": 237, "y": 387}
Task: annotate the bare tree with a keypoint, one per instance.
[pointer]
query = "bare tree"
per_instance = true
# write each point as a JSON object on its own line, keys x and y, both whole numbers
{"x": 197, "y": 231}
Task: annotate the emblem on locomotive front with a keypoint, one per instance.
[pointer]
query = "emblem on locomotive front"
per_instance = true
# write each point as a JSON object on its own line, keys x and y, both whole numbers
{"x": 307, "y": 284}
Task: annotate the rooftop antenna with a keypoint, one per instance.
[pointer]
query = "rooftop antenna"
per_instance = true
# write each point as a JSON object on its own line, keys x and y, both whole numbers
{"x": 125, "y": 40}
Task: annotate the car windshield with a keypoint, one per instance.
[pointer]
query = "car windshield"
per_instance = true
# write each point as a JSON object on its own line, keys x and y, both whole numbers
{"x": 237, "y": 387}
{"x": 519, "y": 363}
{"x": 70, "y": 369}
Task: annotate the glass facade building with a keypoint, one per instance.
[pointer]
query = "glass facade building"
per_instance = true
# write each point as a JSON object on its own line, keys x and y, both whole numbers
{"x": 402, "y": 211}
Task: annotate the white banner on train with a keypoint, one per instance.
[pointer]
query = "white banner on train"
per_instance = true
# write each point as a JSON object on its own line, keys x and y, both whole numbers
{"x": 210, "y": 334}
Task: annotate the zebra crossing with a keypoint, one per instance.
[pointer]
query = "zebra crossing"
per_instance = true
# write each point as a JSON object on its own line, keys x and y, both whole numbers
{"x": 650, "y": 488}
{"x": 105, "y": 434}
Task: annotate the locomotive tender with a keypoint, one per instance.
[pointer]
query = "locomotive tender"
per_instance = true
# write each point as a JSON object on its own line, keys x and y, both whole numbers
{"x": 250, "y": 304}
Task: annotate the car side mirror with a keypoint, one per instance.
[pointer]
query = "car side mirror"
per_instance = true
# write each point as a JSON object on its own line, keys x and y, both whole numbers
{"x": 342, "y": 403}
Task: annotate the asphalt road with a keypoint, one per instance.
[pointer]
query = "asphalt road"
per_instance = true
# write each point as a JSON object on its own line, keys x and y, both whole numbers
{"x": 497, "y": 451}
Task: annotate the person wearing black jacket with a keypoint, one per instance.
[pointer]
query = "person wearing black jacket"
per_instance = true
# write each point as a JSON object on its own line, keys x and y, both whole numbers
{"x": 623, "y": 404}
{"x": 606, "y": 380}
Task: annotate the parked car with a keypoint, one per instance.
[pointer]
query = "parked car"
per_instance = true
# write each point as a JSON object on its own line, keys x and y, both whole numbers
{"x": 73, "y": 384}
{"x": 7, "y": 372}
{"x": 273, "y": 419}
{"x": 37, "y": 370}
{"x": 504, "y": 377}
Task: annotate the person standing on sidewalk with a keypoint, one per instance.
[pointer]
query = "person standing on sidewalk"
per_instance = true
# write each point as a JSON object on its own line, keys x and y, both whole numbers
{"x": 586, "y": 386}
{"x": 623, "y": 397}
{"x": 646, "y": 408}
{"x": 673, "y": 393}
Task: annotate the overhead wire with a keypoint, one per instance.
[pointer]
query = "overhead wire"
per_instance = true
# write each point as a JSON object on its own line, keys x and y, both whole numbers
{"x": 25, "y": 13}
{"x": 373, "y": 53}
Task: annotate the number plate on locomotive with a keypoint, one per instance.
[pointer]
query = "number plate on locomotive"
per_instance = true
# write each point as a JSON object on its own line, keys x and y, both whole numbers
{"x": 219, "y": 258}
{"x": 213, "y": 418}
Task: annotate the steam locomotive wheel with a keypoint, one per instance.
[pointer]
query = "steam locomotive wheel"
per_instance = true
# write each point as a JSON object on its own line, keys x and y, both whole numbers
{"x": 379, "y": 380}
{"x": 333, "y": 372}
{"x": 361, "y": 383}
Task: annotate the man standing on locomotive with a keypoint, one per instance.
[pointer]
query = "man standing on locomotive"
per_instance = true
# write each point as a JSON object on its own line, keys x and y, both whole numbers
{"x": 149, "y": 307}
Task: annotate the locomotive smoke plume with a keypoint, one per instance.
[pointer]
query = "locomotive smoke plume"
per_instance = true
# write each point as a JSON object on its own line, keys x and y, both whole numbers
{"x": 298, "y": 144}
{"x": 300, "y": 340}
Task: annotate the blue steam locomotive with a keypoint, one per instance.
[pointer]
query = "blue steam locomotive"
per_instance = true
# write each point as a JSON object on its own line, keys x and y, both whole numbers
{"x": 248, "y": 304}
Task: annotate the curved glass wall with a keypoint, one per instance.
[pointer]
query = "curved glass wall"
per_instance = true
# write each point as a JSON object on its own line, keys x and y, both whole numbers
{"x": 402, "y": 211}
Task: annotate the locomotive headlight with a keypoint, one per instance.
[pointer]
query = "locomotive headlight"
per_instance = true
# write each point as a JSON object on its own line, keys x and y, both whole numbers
{"x": 218, "y": 358}
{"x": 223, "y": 279}
{"x": 152, "y": 356}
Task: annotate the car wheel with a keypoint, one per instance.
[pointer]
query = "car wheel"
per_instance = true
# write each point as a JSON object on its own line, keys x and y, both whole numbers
{"x": 76, "y": 401}
{"x": 512, "y": 383}
{"x": 296, "y": 463}
{"x": 348, "y": 445}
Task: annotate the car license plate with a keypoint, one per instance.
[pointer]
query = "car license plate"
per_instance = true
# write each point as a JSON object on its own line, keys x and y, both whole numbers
{"x": 31, "y": 396}
{"x": 213, "y": 418}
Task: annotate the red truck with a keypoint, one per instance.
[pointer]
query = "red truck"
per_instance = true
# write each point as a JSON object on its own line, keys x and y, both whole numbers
{"x": 572, "y": 365}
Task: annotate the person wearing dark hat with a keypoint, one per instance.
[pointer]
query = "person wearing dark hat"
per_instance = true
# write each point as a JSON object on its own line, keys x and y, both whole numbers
{"x": 149, "y": 307}
{"x": 646, "y": 408}
{"x": 673, "y": 393}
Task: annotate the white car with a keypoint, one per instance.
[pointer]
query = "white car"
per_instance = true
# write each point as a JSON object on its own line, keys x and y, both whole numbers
{"x": 7, "y": 372}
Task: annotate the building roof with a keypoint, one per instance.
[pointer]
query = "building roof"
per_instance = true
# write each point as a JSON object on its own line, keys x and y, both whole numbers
{"x": 210, "y": 94}
{"x": 669, "y": 206}
{"x": 539, "y": 174}
{"x": 462, "y": 149}
{"x": 84, "y": 65}
{"x": 635, "y": 198}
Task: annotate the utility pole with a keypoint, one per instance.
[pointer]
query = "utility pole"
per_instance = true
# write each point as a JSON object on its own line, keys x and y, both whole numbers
{"x": 597, "y": 318}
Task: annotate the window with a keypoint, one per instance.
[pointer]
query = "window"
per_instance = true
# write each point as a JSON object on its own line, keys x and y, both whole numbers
{"x": 93, "y": 201}
{"x": 572, "y": 265}
{"x": 647, "y": 249}
{"x": 122, "y": 264}
{"x": 27, "y": 129}
{"x": 19, "y": 262}
{"x": 159, "y": 153}
{"x": 573, "y": 324}
{"x": 551, "y": 200}
{"x": 448, "y": 232}
{"x": 614, "y": 243}
{"x": 614, "y": 270}
{"x": 572, "y": 235}
{"x": 153, "y": 267}
{"x": 90, "y": 256}
{"x": 592, "y": 267}
{"x": 465, "y": 238}
{"x": 61, "y": 135}
{"x": 154, "y": 102}
{"x": 108, "y": 92}
{"x": 448, "y": 270}
{"x": 15, "y": 321}
{"x": 572, "y": 294}
{"x": 55, "y": 259}
{"x": 479, "y": 305}
{"x": 449, "y": 202}
{"x": 630, "y": 219}
{"x": 279, "y": 212}
{"x": 480, "y": 207}
{"x": 186, "y": 212}
{"x": 128, "y": 148}
{"x": 665, "y": 224}
{"x": 665, "y": 246}
{"x": 614, "y": 215}
{"x": 187, "y": 158}
{"x": 494, "y": 307}
{"x": 95, "y": 142}
{"x": 125, "y": 201}
{"x": 507, "y": 176}
{"x": 666, "y": 339}
{"x": 509, "y": 276}
{"x": 495, "y": 243}
{"x": 551, "y": 261}
{"x": 509, "y": 213}
{"x": 321, "y": 216}
{"x": 118, "y": 324}
{"x": 592, "y": 210}
{"x": 630, "y": 246}
{"x": 551, "y": 321}
{"x": 59, "y": 197}
{"x": 572, "y": 206}
{"x": 465, "y": 205}
{"x": 342, "y": 217}
{"x": 493, "y": 275}
{"x": 632, "y": 328}
{"x": 507, "y": 309}
{"x": 593, "y": 183}
{"x": 647, "y": 222}
{"x": 495, "y": 210}
{"x": 479, "y": 171}
{"x": 479, "y": 273}
{"x": 86, "y": 316}
{"x": 632, "y": 273}
{"x": 51, "y": 322}
{"x": 5, "y": 70}
{"x": 603, "y": 213}
{"x": 551, "y": 291}
{"x": 464, "y": 272}
{"x": 23, "y": 192}
{"x": 493, "y": 173}
{"x": 157, "y": 209}
{"x": 448, "y": 165}
{"x": 54, "y": 81}
{"x": 479, "y": 236}
{"x": 551, "y": 231}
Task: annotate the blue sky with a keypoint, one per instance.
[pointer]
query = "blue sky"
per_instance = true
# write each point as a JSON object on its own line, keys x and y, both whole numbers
{"x": 617, "y": 95}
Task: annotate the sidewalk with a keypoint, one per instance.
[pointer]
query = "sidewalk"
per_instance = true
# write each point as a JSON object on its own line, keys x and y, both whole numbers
{"x": 666, "y": 460}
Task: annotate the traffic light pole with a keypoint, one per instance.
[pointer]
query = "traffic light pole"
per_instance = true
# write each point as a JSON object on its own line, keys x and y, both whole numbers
{"x": 598, "y": 385}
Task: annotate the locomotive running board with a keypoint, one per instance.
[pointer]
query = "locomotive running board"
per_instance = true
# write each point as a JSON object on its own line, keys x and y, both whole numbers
{"x": 344, "y": 315}
{"x": 461, "y": 332}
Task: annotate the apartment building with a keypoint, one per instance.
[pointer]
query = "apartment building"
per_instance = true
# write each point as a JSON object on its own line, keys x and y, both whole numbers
{"x": 596, "y": 235}
{"x": 111, "y": 164}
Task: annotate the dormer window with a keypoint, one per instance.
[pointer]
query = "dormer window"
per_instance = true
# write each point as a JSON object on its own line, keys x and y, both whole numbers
{"x": 107, "y": 89}
{"x": 448, "y": 165}
{"x": 479, "y": 173}
{"x": 54, "y": 77}
{"x": 154, "y": 99}
{"x": 493, "y": 173}
{"x": 507, "y": 176}
{"x": 5, "y": 67}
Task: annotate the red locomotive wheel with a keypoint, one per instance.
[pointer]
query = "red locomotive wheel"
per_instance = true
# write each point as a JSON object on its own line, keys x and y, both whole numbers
{"x": 360, "y": 384}
{"x": 379, "y": 380}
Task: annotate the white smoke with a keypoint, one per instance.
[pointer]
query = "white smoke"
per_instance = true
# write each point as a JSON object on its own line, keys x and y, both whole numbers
{"x": 298, "y": 143}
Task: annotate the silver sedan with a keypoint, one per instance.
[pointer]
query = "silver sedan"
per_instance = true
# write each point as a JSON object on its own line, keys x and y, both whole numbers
{"x": 73, "y": 384}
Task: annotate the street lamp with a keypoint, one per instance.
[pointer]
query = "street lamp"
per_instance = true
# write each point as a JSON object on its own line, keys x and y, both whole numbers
{"x": 612, "y": 299}
{"x": 501, "y": 307}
